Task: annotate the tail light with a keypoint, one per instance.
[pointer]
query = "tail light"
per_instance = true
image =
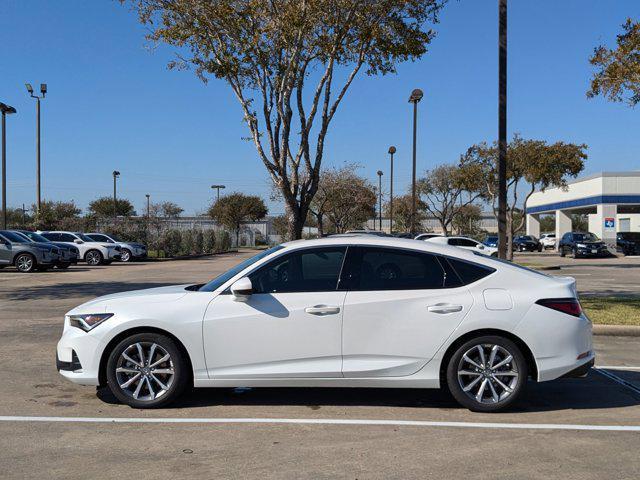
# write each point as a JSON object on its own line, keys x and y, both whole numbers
{"x": 570, "y": 306}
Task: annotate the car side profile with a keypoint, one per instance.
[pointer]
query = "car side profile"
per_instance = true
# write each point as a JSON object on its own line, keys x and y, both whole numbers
{"x": 92, "y": 252}
{"x": 358, "y": 311}
{"x": 465, "y": 243}
{"x": 68, "y": 253}
{"x": 129, "y": 251}
{"x": 25, "y": 255}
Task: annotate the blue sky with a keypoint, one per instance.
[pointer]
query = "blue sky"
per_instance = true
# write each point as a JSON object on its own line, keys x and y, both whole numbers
{"x": 112, "y": 104}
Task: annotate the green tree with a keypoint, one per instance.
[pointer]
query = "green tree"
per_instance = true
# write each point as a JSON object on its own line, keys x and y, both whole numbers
{"x": 234, "y": 209}
{"x": 402, "y": 213}
{"x": 345, "y": 199}
{"x": 53, "y": 214}
{"x": 466, "y": 220}
{"x": 103, "y": 207}
{"x": 447, "y": 188}
{"x": 531, "y": 165}
{"x": 267, "y": 51}
{"x": 170, "y": 209}
{"x": 618, "y": 70}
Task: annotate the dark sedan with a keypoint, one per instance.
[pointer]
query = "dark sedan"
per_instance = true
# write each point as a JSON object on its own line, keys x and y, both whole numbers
{"x": 582, "y": 244}
{"x": 526, "y": 243}
{"x": 69, "y": 254}
{"x": 628, "y": 243}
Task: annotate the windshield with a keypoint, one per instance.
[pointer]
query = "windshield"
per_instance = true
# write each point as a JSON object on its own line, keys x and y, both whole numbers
{"x": 635, "y": 236}
{"x": 226, "y": 276}
{"x": 85, "y": 238}
{"x": 14, "y": 237}
{"x": 36, "y": 237}
{"x": 585, "y": 237}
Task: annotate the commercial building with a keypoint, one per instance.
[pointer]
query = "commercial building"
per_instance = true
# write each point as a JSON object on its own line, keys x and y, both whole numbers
{"x": 610, "y": 199}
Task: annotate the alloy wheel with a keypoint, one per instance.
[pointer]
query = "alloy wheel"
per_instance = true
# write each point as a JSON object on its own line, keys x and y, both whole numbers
{"x": 145, "y": 371}
{"x": 126, "y": 255}
{"x": 24, "y": 263}
{"x": 93, "y": 258}
{"x": 487, "y": 373}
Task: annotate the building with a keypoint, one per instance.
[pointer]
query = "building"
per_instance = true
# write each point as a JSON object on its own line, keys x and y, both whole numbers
{"x": 610, "y": 199}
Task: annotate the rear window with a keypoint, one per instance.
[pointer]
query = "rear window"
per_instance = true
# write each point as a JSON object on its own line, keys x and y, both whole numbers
{"x": 469, "y": 272}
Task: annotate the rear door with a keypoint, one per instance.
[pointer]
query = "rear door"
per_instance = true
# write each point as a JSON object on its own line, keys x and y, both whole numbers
{"x": 5, "y": 251}
{"x": 401, "y": 306}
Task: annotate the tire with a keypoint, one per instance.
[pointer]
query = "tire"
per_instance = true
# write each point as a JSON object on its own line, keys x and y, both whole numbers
{"x": 562, "y": 252}
{"x": 25, "y": 263}
{"x": 123, "y": 384}
{"x": 126, "y": 255}
{"x": 506, "y": 388}
{"x": 63, "y": 266}
{"x": 93, "y": 258}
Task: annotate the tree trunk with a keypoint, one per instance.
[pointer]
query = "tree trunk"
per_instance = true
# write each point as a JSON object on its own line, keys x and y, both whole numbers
{"x": 320, "y": 220}
{"x": 296, "y": 221}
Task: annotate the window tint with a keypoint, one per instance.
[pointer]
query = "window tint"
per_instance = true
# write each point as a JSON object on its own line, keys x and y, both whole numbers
{"x": 308, "y": 270}
{"x": 14, "y": 237}
{"x": 566, "y": 237}
{"x": 66, "y": 237}
{"x": 54, "y": 237}
{"x": 99, "y": 238}
{"x": 373, "y": 268}
{"x": 463, "y": 242}
{"x": 469, "y": 272}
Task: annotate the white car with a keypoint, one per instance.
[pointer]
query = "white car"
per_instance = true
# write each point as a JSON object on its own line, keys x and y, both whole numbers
{"x": 336, "y": 312}
{"x": 92, "y": 252}
{"x": 548, "y": 240}
{"x": 466, "y": 243}
{"x": 129, "y": 250}
{"x": 426, "y": 236}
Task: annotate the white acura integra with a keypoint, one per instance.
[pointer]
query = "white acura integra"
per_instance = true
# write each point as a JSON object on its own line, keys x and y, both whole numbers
{"x": 337, "y": 312}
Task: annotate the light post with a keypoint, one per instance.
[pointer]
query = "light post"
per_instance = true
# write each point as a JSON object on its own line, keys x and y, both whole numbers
{"x": 116, "y": 174}
{"x": 392, "y": 150}
{"x": 6, "y": 110}
{"x": 218, "y": 187}
{"x": 43, "y": 91}
{"x": 502, "y": 128}
{"x": 380, "y": 198}
{"x": 148, "y": 206}
{"x": 416, "y": 96}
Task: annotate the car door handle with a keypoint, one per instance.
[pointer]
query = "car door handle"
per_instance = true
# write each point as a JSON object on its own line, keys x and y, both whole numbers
{"x": 444, "y": 308}
{"x": 322, "y": 310}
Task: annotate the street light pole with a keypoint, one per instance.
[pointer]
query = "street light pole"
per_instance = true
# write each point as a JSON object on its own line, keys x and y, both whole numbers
{"x": 502, "y": 129}
{"x": 43, "y": 91}
{"x": 6, "y": 109}
{"x": 380, "y": 198}
{"x": 392, "y": 150}
{"x": 148, "y": 206}
{"x": 416, "y": 96}
{"x": 116, "y": 174}
{"x": 218, "y": 187}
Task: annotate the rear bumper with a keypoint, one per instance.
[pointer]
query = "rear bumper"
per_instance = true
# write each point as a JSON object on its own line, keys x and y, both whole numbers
{"x": 580, "y": 371}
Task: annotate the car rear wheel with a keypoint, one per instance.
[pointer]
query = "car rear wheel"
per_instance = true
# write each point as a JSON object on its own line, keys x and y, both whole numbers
{"x": 147, "y": 370}
{"x": 487, "y": 374}
{"x": 126, "y": 255}
{"x": 25, "y": 263}
{"x": 93, "y": 258}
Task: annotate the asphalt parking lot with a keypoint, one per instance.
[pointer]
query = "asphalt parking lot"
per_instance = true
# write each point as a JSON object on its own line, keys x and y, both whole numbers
{"x": 49, "y": 428}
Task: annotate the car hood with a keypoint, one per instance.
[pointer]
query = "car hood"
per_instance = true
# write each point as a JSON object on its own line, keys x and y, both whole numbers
{"x": 149, "y": 295}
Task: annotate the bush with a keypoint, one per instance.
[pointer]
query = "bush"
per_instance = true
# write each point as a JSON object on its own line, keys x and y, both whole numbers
{"x": 186, "y": 242}
{"x": 209, "y": 241}
{"x": 223, "y": 241}
{"x": 171, "y": 242}
{"x": 198, "y": 241}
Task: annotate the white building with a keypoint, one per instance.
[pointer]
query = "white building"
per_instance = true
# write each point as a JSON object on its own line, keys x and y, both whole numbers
{"x": 611, "y": 200}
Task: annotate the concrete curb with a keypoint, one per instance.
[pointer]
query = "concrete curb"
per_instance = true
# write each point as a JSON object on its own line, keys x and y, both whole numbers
{"x": 617, "y": 330}
{"x": 187, "y": 257}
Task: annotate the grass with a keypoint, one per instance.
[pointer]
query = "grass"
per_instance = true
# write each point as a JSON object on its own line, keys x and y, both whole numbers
{"x": 612, "y": 310}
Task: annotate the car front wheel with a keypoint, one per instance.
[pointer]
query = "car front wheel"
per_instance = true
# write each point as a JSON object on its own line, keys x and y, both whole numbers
{"x": 93, "y": 258}
{"x": 126, "y": 255}
{"x": 25, "y": 263}
{"x": 487, "y": 374}
{"x": 147, "y": 370}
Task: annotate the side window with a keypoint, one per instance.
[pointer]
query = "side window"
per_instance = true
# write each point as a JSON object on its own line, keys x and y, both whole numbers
{"x": 100, "y": 238}
{"x": 66, "y": 237}
{"x": 566, "y": 237}
{"x": 454, "y": 241}
{"x": 374, "y": 268}
{"x": 469, "y": 272}
{"x": 54, "y": 237}
{"x": 463, "y": 242}
{"x": 312, "y": 270}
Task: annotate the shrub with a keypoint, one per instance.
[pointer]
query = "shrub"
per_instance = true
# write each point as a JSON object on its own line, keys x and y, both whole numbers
{"x": 198, "y": 241}
{"x": 186, "y": 242}
{"x": 209, "y": 241}
{"x": 223, "y": 241}
{"x": 171, "y": 242}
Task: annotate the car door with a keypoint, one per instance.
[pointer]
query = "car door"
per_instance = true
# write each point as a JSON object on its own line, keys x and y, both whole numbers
{"x": 5, "y": 251}
{"x": 290, "y": 326}
{"x": 400, "y": 308}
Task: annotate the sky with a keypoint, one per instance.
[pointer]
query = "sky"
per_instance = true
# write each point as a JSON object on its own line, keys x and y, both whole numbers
{"x": 113, "y": 104}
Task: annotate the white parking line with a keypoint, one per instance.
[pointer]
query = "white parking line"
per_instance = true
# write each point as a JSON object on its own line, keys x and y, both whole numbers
{"x": 619, "y": 367}
{"x": 329, "y": 421}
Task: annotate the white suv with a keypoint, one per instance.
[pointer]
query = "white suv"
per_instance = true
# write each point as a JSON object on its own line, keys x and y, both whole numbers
{"x": 466, "y": 243}
{"x": 92, "y": 252}
{"x": 548, "y": 240}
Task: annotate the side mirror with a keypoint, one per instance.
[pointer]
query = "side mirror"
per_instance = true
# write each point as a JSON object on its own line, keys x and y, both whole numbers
{"x": 78, "y": 241}
{"x": 242, "y": 289}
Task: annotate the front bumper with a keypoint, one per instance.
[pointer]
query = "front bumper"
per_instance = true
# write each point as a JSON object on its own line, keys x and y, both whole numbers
{"x": 589, "y": 252}
{"x": 78, "y": 356}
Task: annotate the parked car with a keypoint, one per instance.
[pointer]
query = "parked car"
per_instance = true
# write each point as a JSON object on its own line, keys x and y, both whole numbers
{"x": 27, "y": 256}
{"x": 548, "y": 240}
{"x": 466, "y": 243}
{"x": 526, "y": 243}
{"x": 69, "y": 254}
{"x": 92, "y": 252}
{"x": 376, "y": 233}
{"x": 490, "y": 241}
{"x": 628, "y": 243}
{"x": 582, "y": 244}
{"x": 129, "y": 250}
{"x": 425, "y": 236}
{"x": 336, "y": 312}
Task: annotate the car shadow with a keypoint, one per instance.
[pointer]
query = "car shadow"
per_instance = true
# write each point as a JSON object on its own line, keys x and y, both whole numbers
{"x": 593, "y": 392}
{"x": 79, "y": 289}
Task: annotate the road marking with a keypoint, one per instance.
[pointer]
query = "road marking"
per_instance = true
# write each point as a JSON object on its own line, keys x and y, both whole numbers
{"x": 619, "y": 367}
{"x": 619, "y": 380}
{"x": 329, "y": 421}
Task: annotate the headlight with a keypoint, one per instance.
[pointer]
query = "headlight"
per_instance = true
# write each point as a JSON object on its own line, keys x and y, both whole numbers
{"x": 581, "y": 245}
{"x": 88, "y": 321}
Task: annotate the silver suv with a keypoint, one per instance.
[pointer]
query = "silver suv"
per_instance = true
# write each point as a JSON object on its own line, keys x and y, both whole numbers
{"x": 130, "y": 250}
{"x": 27, "y": 256}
